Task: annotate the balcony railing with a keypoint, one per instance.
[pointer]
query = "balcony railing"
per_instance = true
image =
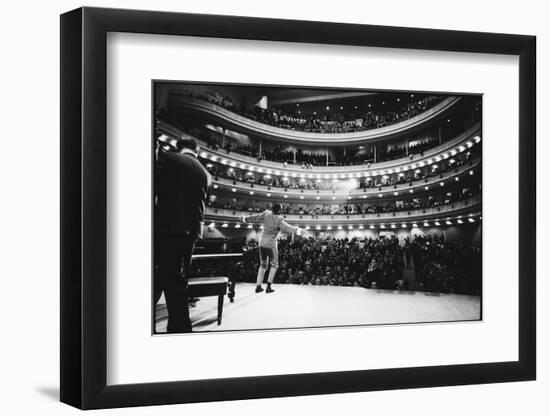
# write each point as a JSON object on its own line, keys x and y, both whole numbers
{"x": 296, "y": 136}
{"x": 342, "y": 194}
{"x": 251, "y": 163}
{"x": 465, "y": 208}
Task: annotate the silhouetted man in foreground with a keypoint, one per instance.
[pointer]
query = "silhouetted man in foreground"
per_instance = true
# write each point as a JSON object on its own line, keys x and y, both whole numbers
{"x": 182, "y": 185}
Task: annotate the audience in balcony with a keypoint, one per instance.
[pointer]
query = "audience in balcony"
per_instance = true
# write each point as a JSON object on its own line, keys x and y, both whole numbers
{"x": 308, "y": 159}
{"x": 397, "y": 205}
{"x": 333, "y": 122}
{"x": 334, "y": 184}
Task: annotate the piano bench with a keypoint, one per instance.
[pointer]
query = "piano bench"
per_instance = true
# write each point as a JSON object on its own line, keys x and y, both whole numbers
{"x": 209, "y": 286}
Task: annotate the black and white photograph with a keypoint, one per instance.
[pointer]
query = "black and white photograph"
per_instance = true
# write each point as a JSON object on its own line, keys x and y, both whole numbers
{"x": 292, "y": 207}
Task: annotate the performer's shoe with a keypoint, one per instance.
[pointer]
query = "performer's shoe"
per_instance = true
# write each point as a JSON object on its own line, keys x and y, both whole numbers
{"x": 269, "y": 289}
{"x": 259, "y": 288}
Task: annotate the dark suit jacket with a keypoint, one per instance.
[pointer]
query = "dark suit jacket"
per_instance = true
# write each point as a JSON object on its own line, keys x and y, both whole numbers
{"x": 182, "y": 186}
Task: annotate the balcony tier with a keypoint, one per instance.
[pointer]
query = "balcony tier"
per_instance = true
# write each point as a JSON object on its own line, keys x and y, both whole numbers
{"x": 294, "y": 194}
{"x": 246, "y": 125}
{"x": 459, "y": 210}
{"x": 380, "y": 168}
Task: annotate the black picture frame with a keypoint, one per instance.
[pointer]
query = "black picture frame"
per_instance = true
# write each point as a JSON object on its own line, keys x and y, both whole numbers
{"x": 84, "y": 207}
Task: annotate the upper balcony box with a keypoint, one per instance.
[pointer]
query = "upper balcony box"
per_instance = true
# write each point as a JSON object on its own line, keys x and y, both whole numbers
{"x": 243, "y": 124}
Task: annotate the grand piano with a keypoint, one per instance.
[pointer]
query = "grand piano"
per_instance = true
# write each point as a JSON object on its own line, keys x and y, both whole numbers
{"x": 213, "y": 271}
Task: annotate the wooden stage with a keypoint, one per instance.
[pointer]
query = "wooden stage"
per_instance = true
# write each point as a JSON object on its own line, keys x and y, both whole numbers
{"x": 297, "y": 306}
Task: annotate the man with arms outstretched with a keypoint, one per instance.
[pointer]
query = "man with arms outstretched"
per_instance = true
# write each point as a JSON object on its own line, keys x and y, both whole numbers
{"x": 273, "y": 224}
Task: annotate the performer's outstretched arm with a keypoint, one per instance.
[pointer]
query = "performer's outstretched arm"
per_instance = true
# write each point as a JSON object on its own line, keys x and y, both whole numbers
{"x": 254, "y": 217}
{"x": 289, "y": 229}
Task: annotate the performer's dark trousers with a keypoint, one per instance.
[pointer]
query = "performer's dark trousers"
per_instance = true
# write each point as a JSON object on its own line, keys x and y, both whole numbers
{"x": 173, "y": 261}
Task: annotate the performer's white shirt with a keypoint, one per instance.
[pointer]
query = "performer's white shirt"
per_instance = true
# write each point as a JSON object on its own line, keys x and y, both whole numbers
{"x": 273, "y": 224}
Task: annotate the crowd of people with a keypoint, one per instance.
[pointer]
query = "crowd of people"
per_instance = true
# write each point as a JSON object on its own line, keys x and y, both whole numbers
{"x": 336, "y": 121}
{"x": 379, "y": 181}
{"x": 407, "y": 204}
{"x": 435, "y": 264}
{"x": 444, "y": 267}
{"x": 309, "y": 159}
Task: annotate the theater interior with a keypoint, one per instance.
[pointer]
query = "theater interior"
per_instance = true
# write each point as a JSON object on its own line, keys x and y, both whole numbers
{"x": 386, "y": 185}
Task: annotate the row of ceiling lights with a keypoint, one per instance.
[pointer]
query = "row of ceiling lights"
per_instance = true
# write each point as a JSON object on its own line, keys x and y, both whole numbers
{"x": 436, "y": 223}
{"x": 415, "y": 166}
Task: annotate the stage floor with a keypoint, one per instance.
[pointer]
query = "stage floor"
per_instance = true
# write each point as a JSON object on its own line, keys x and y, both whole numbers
{"x": 298, "y": 306}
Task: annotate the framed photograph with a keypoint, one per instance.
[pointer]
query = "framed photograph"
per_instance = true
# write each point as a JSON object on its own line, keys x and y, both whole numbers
{"x": 258, "y": 208}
